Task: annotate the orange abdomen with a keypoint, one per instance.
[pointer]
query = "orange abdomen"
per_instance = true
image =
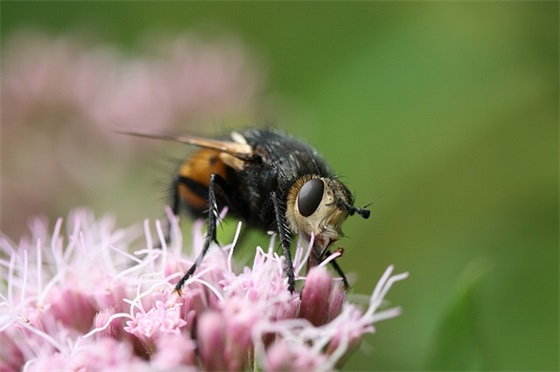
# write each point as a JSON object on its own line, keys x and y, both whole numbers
{"x": 198, "y": 168}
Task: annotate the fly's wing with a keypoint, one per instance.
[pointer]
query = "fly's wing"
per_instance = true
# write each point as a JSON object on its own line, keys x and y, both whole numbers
{"x": 234, "y": 153}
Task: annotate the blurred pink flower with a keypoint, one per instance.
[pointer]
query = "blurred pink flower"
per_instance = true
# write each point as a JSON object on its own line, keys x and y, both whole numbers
{"x": 62, "y": 97}
{"x": 178, "y": 80}
{"x": 86, "y": 300}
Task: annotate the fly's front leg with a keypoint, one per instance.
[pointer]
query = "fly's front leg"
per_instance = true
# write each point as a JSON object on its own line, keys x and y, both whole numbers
{"x": 216, "y": 181}
{"x": 339, "y": 271}
{"x": 285, "y": 239}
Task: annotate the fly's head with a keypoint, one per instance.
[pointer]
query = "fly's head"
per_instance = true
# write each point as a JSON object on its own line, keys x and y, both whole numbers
{"x": 319, "y": 205}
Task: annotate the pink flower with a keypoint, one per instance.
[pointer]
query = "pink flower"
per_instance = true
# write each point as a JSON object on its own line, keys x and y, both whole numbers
{"x": 168, "y": 81}
{"x": 64, "y": 96}
{"x": 161, "y": 319}
{"x": 174, "y": 351}
{"x": 321, "y": 299}
{"x": 286, "y": 356}
{"x": 57, "y": 313}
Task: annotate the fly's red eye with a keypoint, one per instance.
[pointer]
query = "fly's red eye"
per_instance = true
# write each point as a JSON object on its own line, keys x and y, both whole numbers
{"x": 309, "y": 197}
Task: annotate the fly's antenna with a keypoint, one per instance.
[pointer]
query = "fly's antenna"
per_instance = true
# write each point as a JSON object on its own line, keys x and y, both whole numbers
{"x": 364, "y": 212}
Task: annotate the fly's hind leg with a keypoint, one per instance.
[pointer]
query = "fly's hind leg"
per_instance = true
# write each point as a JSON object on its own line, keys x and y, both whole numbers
{"x": 175, "y": 207}
{"x": 177, "y": 204}
{"x": 216, "y": 182}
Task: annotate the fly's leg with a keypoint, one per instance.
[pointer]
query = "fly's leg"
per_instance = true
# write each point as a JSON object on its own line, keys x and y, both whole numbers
{"x": 285, "y": 239}
{"x": 216, "y": 182}
{"x": 339, "y": 271}
{"x": 175, "y": 206}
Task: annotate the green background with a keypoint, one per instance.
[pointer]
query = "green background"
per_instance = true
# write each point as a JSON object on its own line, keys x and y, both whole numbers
{"x": 445, "y": 115}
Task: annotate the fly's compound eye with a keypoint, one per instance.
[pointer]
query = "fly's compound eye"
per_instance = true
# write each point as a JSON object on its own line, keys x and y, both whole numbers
{"x": 310, "y": 196}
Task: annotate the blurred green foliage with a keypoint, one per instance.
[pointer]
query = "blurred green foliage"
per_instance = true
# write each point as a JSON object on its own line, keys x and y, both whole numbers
{"x": 444, "y": 114}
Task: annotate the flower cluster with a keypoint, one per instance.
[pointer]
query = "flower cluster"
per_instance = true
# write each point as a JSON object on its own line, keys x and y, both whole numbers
{"x": 65, "y": 95}
{"x": 180, "y": 79}
{"x": 84, "y": 299}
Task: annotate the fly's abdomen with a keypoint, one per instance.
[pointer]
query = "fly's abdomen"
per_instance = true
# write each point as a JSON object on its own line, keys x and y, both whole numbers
{"x": 195, "y": 175}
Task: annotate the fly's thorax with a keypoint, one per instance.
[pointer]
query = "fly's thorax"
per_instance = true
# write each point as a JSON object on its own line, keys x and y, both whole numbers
{"x": 315, "y": 205}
